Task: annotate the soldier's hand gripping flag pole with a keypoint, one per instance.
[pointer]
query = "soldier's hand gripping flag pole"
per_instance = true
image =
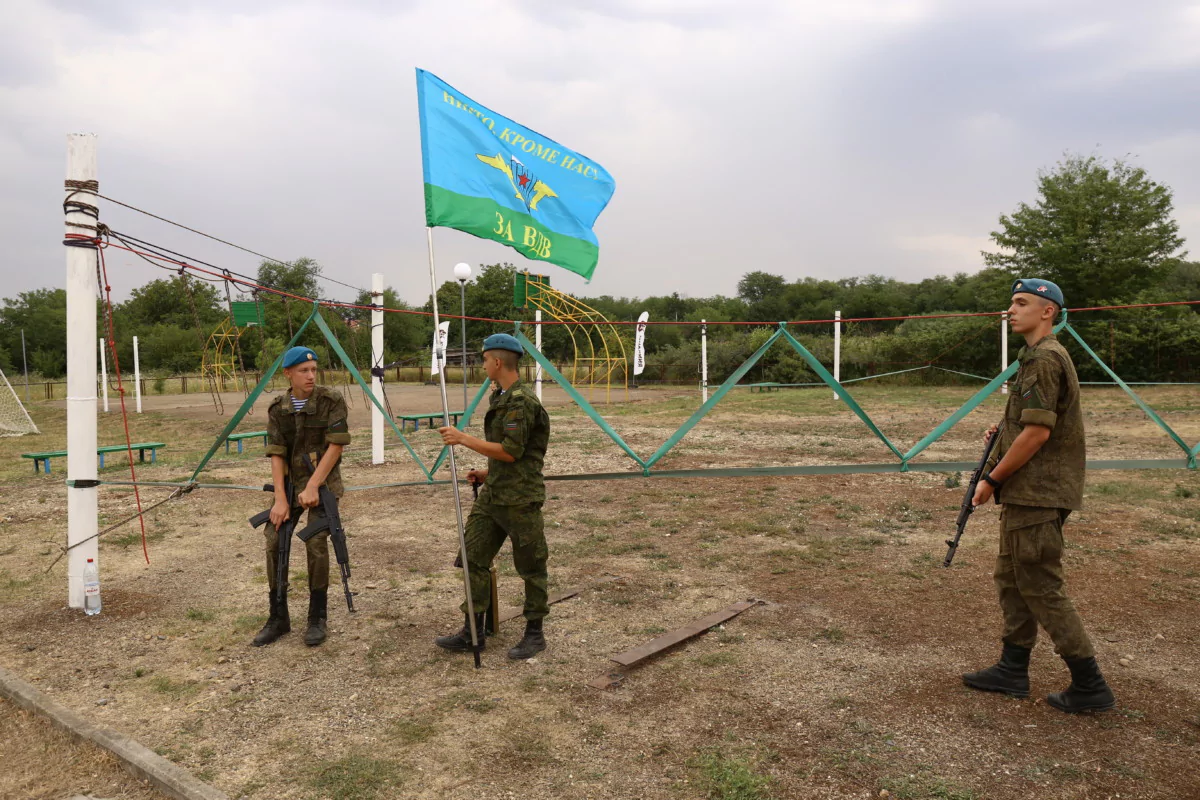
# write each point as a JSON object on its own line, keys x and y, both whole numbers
{"x": 462, "y": 536}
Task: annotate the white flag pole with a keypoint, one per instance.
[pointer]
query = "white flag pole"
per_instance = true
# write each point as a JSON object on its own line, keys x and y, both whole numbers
{"x": 137, "y": 376}
{"x": 837, "y": 349}
{"x": 376, "y": 361}
{"x": 104, "y": 376}
{"x": 440, "y": 355}
{"x": 1004, "y": 349}
{"x": 537, "y": 342}
{"x": 704, "y": 360}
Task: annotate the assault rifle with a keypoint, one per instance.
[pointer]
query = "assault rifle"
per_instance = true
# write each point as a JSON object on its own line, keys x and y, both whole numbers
{"x": 337, "y": 535}
{"x": 284, "y": 551}
{"x": 333, "y": 523}
{"x": 967, "y": 508}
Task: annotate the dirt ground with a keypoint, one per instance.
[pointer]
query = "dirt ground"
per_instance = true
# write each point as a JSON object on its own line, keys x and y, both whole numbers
{"x": 845, "y": 683}
{"x": 43, "y": 762}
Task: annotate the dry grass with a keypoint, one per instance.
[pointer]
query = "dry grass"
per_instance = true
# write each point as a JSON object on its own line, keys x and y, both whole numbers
{"x": 846, "y": 684}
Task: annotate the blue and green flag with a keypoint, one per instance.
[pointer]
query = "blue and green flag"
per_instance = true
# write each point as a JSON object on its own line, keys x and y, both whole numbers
{"x": 490, "y": 177}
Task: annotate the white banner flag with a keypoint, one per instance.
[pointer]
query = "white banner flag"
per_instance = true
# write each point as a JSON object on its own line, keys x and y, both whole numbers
{"x": 441, "y": 337}
{"x": 639, "y": 344}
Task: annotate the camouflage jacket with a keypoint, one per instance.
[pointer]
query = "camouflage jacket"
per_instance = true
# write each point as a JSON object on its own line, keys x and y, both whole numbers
{"x": 1045, "y": 391}
{"x": 521, "y": 425}
{"x": 320, "y": 423}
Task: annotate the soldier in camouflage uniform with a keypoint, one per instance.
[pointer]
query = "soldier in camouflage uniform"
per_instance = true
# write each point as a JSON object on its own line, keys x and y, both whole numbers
{"x": 308, "y": 420}
{"x": 517, "y": 430}
{"x": 1037, "y": 473}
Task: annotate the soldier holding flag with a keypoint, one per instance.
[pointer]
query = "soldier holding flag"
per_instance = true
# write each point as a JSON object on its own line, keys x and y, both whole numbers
{"x": 517, "y": 431}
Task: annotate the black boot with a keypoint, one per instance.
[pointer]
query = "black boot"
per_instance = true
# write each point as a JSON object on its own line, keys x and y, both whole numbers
{"x": 532, "y": 643}
{"x": 1088, "y": 690}
{"x": 278, "y": 623}
{"x": 317, "y": 614}
{"x": 1009, "y": 675}
{"x": 461, "y": 642}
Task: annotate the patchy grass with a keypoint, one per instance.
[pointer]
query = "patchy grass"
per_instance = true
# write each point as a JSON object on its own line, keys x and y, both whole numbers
{"x": 357, "y": 776}
{"x": 725, "y": 776}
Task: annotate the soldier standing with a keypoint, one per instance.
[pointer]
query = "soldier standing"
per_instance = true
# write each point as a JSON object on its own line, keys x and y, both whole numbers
{"x": 308, "y": 420}
{"x": 517, "y": 430}
{"x": 1037, "y": 475}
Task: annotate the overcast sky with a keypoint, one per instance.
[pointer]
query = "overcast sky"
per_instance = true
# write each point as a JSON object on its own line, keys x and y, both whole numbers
{"x": 823, "y": 139}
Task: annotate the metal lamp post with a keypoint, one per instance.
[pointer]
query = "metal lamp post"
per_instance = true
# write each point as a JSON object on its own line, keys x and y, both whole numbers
{"x": 462, "y": 272}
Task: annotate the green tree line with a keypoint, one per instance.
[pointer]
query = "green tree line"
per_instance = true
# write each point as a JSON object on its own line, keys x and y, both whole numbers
{"x": 1103, "y": 231}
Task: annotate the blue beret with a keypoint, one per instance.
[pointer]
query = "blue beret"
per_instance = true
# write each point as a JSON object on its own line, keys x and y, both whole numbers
{"x": 503, "y": 341}
{"x": 298, "y": 355}
{"x": 1041, "y": 288}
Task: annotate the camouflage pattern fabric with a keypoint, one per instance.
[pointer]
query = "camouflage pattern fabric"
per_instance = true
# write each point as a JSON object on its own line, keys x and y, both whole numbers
{"x": 317, "y": 549}
{"x": 521, "y": 425}
{"x": 487, "y": 527}
{"x": 320, "y": 423}
{"x": 1029, "y": 580}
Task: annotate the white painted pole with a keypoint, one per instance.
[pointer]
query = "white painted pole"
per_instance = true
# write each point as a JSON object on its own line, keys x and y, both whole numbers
{"x": 137, "y": 376}
{"x": 81, "y": 372}
{"x": 704, "y": 360}
{"x": 537, "y": 342}
{"x": 837, "y": 349}
{"x": 104, "y": 375}
{"x": 377, "y": 360}
{"x": 1004, "y": 348}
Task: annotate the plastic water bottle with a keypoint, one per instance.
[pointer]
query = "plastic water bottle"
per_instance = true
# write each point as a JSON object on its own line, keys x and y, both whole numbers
{"x": 91, "y": 588}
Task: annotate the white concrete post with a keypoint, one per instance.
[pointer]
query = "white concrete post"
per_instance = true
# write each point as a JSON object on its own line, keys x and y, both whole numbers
{"x": 81, "y": 372}
{"x": 377, "y": 360}
{"x": 137, "y": 376}
{"x": 1004, "y": 349}
{"x": 104, "y": 375}
{"x": 537, "y": 342}
{"x": 837, "y": 349}
{"x": 704, "y": 360}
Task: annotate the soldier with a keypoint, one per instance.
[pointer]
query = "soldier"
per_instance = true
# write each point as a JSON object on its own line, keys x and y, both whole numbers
{"x": 517, "y": 430}
{"x": 1037, "y": 476}
{"x": 310, "y": 420}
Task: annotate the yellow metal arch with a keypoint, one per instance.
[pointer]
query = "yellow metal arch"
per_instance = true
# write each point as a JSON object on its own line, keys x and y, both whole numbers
{"x": 599, "y": 350}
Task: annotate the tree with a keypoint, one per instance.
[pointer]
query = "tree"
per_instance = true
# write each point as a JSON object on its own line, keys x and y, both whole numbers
{"x": 764, "y": 295}
{"x": 42, "y": 314}
{"x": 1102, "y": 233}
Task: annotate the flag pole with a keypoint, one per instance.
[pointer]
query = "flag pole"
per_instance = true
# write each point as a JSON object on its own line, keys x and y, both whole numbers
{"x": 439, "y": 357}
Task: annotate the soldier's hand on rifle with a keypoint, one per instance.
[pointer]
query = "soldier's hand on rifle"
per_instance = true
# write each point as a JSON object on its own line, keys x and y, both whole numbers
{"x": 309, "y": 497}
{"x": 990, "y": 432}
{"x": 280, "y": 512}
{"x": 983, "y": 493}
{"x": 452, "y": 435}
{"x": 477, "y": 476}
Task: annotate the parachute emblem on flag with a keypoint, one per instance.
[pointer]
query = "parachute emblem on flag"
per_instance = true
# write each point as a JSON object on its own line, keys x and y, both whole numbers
{"x": 529, "y": 190}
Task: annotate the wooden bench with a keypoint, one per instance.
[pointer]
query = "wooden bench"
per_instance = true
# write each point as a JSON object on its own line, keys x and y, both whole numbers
{"x": 141, "y": 447}
{"x": 768, "y": 386}
{"x": 240, "y": 437}
{"x": 415, "y": 419}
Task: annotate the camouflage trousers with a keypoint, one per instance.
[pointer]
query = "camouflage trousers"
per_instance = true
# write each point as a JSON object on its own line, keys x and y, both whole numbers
{"x": 487, "y": 528}
{"x": 1029, "y": 579}
{"x": 317, "y": 550}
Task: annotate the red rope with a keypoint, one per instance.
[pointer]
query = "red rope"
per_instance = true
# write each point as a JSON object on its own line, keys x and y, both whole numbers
{"x": 112, "y": 343}
{"x": 744, "y": 323}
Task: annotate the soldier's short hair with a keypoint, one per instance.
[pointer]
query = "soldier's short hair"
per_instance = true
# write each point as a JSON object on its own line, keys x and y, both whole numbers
{"x": 507, "y": 357}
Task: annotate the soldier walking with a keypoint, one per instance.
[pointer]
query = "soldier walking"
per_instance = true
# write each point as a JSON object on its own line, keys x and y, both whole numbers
{"x": 1037, "y": 475}
{"x": 517, "y": 430}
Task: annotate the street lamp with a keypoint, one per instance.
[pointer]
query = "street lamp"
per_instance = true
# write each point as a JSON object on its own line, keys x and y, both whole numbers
{"x": 462, "y": 272}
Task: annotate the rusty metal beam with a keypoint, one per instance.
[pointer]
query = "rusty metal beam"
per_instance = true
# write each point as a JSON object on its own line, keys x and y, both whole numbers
{"x": 672, "y": 638}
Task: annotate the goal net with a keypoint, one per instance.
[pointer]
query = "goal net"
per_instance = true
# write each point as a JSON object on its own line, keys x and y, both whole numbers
{"x": 14, "y": 419}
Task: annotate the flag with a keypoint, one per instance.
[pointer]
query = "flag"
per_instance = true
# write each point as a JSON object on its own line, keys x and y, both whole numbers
{"x": 496, "y": 179}
{"x": 441, "y": 335}
{"x": 639, "y": 344}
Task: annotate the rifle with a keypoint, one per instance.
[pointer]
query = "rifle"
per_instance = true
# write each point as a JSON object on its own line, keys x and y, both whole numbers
{"x": 967, "y": 509}
{"x": 337, "y": 535}
{"x": 284, "y": 552}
